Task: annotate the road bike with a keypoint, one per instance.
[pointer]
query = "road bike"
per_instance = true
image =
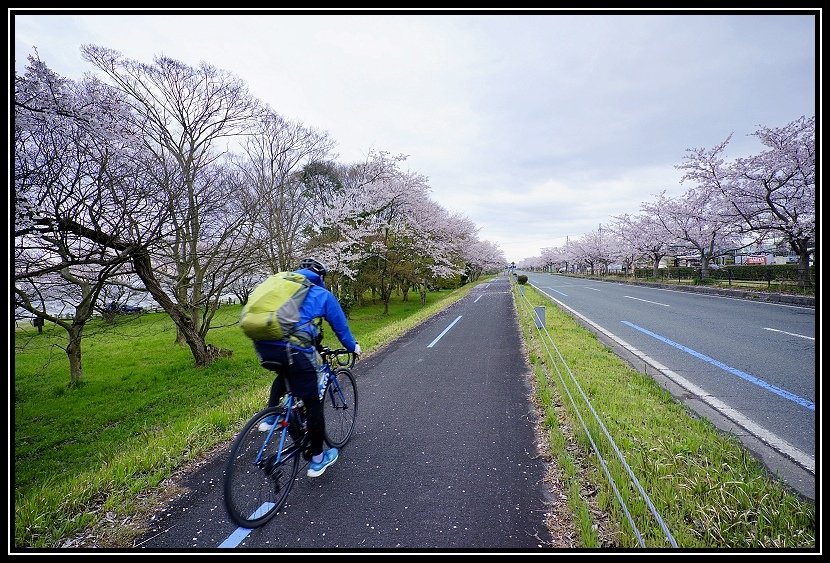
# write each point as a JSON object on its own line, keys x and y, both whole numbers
{"x": 262, "y": 466}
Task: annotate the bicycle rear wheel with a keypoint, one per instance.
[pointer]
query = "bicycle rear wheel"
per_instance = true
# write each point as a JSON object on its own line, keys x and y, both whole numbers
{"x": 340, "y": 407}
{"x": 256, "y": 484}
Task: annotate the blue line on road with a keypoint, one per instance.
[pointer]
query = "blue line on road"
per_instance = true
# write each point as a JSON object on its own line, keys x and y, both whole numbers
{"x": 241, "y": 533}
{"x": 743, "y": 375}
{"x": 431, "y": 344}
{"x": 235, "y": 538}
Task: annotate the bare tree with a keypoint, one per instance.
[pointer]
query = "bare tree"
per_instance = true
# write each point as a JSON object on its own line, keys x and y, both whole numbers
{"x": 183, "y": 113}
{"x": 277, "y": 159}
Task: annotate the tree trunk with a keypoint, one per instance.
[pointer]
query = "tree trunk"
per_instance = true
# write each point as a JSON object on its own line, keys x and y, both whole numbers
{"x": 73, "y": 352}
{"x": 656, "y": 267}
{"x": 185, "y": 324}
{"x": 386, "y": 296}
{"x": 804, "y": 270}
{"x": 800, "y": 247}
{"x": 704, "y": 268}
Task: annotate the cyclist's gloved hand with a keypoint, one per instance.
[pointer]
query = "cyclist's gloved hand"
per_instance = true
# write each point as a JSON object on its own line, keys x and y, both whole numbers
{"x": 356, "y": 349}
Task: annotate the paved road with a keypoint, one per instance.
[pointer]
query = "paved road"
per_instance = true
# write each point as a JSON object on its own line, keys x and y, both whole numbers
{"x": 443, "y": 456}
{"x": 748, "y": 366}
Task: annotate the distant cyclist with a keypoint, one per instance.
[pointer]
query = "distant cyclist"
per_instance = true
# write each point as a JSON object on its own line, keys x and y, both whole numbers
{"x": 299, "y": 360}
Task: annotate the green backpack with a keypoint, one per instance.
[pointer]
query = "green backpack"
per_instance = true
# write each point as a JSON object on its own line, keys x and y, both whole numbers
{"x": 273, "y": 308}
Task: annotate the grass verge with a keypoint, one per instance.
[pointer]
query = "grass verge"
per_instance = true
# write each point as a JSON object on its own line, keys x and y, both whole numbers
{"x": 706, "y": 489}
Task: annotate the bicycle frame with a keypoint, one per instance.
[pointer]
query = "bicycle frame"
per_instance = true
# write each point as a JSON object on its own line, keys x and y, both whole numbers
{"x": 283, "y": 424}
{"x": 335, "y": 386}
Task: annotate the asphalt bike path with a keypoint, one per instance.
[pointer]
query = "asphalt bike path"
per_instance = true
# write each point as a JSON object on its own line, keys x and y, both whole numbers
{"x": 444, "y": 454}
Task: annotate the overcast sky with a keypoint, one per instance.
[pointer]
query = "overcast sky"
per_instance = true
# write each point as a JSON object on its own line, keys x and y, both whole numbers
{"x": 536, "y": 126}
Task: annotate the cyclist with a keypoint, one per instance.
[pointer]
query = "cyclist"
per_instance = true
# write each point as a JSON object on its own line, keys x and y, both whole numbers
{"x": 300, "y": 361}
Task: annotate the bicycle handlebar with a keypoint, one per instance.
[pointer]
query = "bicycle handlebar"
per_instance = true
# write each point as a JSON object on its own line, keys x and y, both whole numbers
{"x": 326, "y": 352}
{"x": 336, "y": 353}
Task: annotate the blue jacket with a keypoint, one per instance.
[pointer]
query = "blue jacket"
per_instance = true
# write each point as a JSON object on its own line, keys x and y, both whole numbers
{"x": 321, "y": 303}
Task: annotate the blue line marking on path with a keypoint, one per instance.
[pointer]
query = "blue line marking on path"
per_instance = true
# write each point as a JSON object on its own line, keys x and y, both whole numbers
{"x": 240, "y": 534}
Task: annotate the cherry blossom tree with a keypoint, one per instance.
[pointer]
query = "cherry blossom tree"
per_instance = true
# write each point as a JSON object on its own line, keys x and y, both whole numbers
{"x": 618, "y": 251}
{"x": 346, "y": 221}
{"x": 548, "y": 258}
{"x": 574, "y": 254}
{"x": 531, "y": 263}
{"x": 774, "y": 192}
{"x": 378, "y": 229}
{"x": 698, "y": 220}
{"x": 398, "y": 202}
{"x": 555, "y": 257}
{"x": 644, "y": 235}
{"x": 579, "y": 255}
{"x": 483, "y": 256}
{"x": 438, "y": 239}
{"x": 79, "y": 181}
{"x": 770, "y": 194}
{"x": 593, "y": 250}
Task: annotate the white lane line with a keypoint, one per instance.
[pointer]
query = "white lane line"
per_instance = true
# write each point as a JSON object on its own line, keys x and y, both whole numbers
{"x": 235, "y": 538}
{"x": 477, "y": 298}
{"x": 790, "y": 333}
{"x": 431, "y": 344}
{"x": 241, "y": 533}
{"x": 647, "y": 301}
{"x": 557, "y": 291}
{"x": 591, "y": 288}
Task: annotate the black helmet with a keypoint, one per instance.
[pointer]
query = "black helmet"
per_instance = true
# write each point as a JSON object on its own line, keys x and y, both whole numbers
{"x": 314, "y": 265}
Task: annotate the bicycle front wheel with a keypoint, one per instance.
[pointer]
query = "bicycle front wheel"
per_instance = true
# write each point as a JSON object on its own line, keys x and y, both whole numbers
{"x": 340, "y": 407}
{"x": 258, "y": 475}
